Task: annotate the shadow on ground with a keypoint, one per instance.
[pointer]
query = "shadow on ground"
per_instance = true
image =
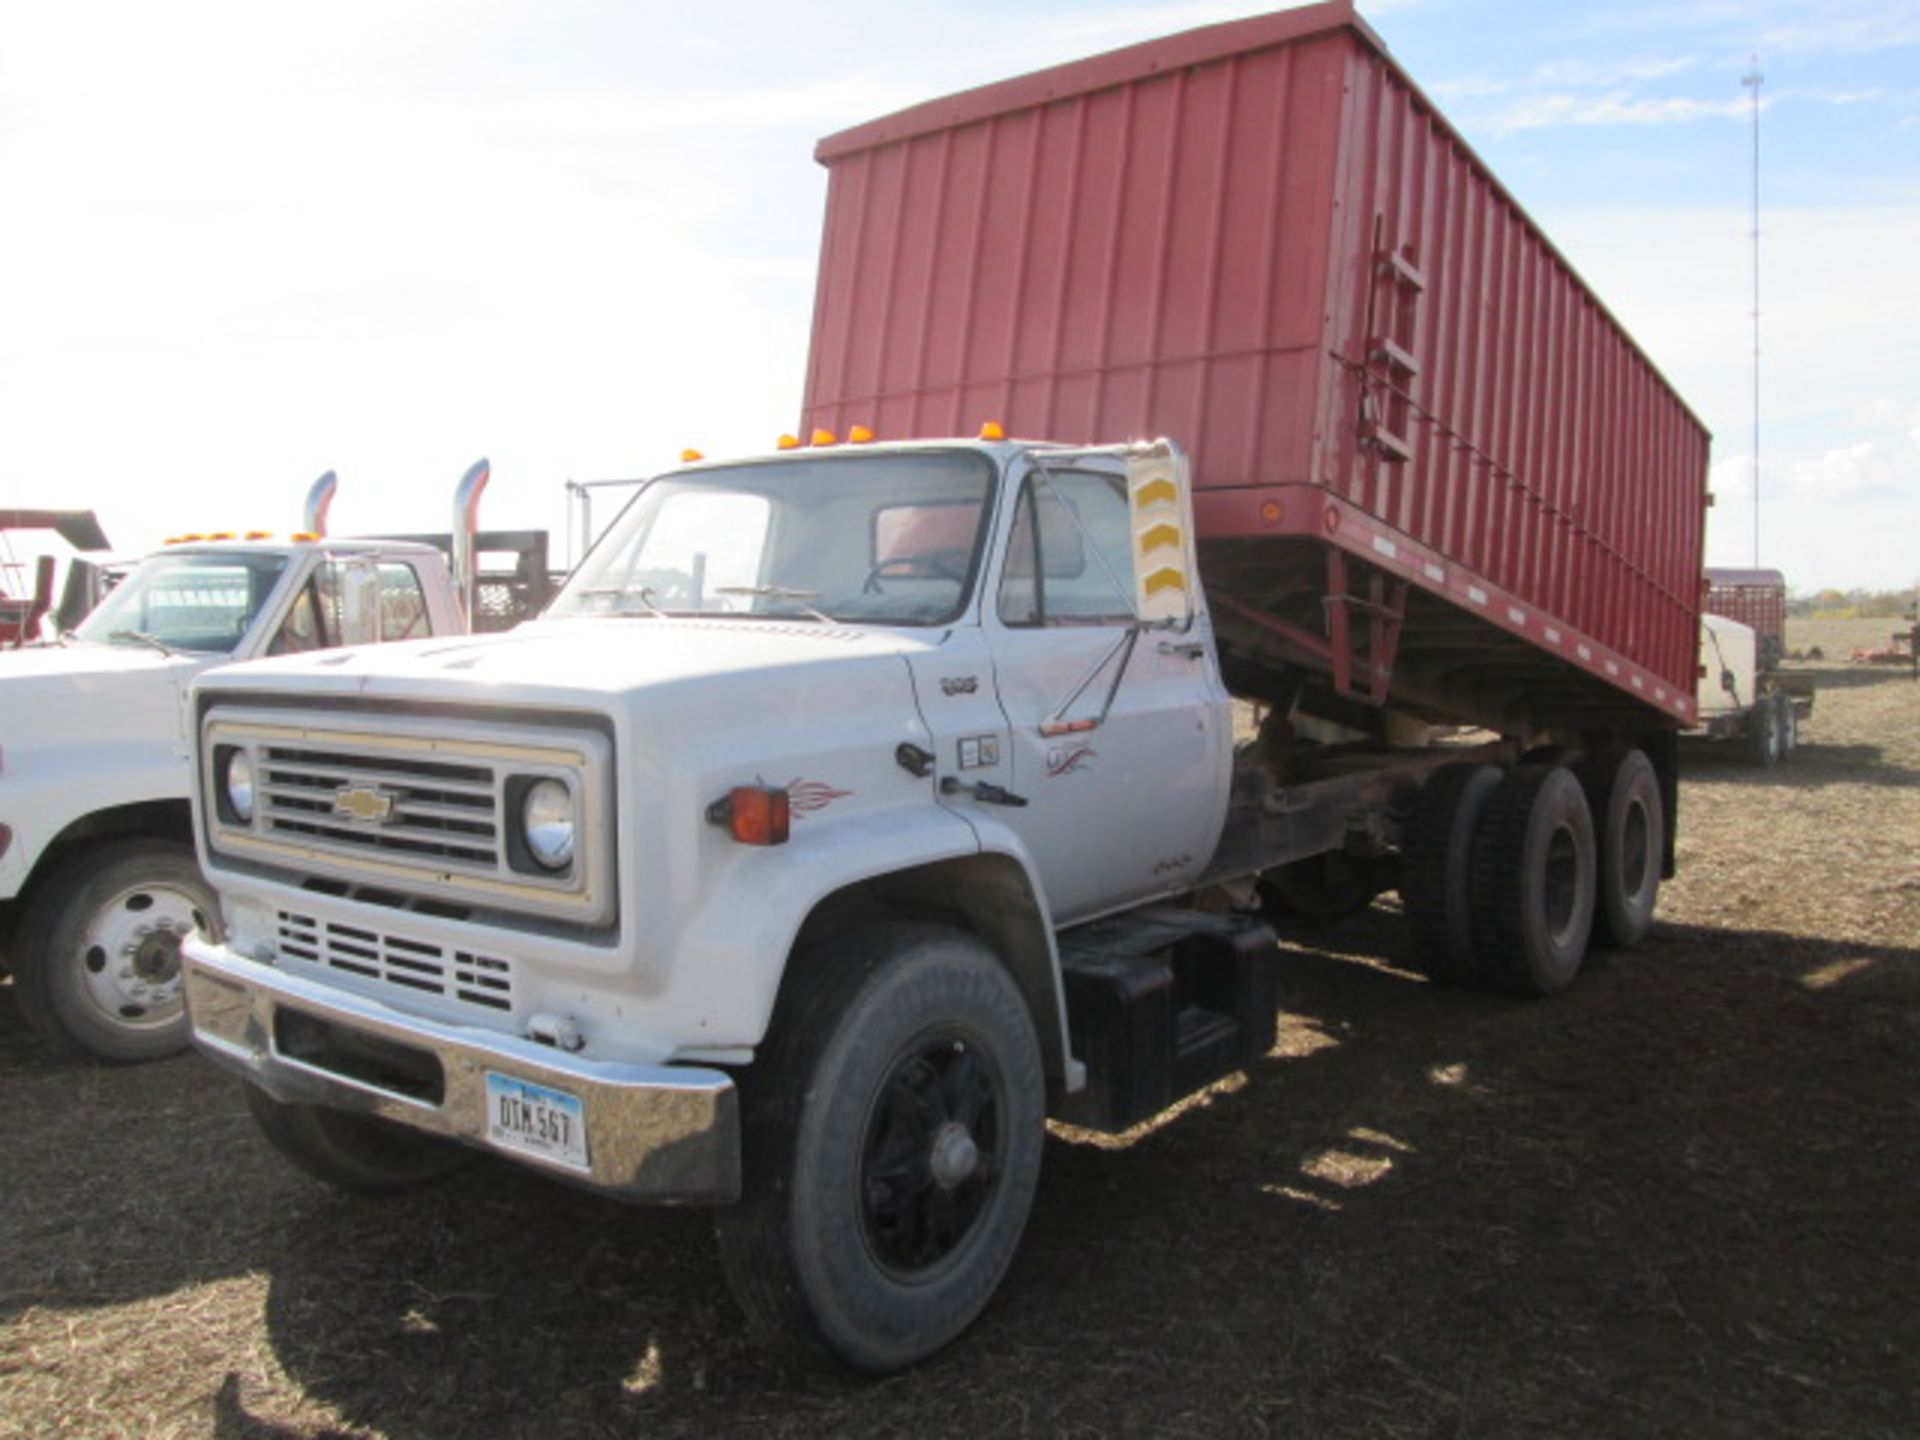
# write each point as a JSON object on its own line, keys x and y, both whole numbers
{"x": 1675, "y": 1200}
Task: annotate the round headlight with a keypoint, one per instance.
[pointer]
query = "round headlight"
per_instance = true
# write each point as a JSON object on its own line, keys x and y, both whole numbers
{"x": 239, "y": 783}
{"x": 546, "y": 819}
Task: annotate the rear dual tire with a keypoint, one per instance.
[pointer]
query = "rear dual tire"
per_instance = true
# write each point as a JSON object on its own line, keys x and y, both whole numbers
{"x": 1437, "y": 885}
{"x": 1789, "y": 727}
{"x": 1763, "y": 737}
{"x": 1534, "y": 882}
{"x": 1511, "y": 877}
{"x": 1629, "y": 819}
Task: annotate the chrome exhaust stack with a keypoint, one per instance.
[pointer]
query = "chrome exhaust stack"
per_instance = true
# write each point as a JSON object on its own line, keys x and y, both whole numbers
{"x": 466, "y": 524}
{"x": 313, "y": 517}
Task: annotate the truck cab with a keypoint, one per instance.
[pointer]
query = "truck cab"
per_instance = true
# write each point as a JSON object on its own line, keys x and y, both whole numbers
{"x": 820, "y": 749}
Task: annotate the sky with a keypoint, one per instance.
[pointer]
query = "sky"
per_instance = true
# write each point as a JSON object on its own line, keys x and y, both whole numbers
{"x": 244, "y": 243}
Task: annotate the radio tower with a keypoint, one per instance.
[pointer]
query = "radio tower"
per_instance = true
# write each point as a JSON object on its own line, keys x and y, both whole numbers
{"x": 1752, "y": 80}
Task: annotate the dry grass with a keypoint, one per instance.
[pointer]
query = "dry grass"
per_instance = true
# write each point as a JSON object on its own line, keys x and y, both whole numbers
{"x": 1678, "y": 1200}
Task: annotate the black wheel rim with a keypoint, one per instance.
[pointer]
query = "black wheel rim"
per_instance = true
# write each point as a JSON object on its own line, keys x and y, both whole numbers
{"x": 931, "y": 1158}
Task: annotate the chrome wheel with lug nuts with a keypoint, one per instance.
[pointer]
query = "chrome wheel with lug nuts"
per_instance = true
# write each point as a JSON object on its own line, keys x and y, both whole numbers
{"x": 98, "y": 964}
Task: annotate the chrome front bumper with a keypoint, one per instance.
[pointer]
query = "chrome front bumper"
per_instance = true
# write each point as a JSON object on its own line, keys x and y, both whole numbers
{"x": 661, "y": 1133}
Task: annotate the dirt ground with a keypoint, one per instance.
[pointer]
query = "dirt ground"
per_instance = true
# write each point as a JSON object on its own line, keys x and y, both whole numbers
{"x": 1679, "y": 1200}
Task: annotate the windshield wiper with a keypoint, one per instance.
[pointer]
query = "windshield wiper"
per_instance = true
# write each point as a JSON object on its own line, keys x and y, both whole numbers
{"x": 141, "y": 637}
{"x": 797, "y": 598}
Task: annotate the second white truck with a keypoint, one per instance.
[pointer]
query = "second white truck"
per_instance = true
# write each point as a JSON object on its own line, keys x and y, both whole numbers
{"x": 98, "y": 880}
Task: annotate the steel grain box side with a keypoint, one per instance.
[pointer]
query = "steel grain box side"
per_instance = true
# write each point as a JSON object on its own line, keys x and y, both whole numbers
{"x": 1260, "y": 239}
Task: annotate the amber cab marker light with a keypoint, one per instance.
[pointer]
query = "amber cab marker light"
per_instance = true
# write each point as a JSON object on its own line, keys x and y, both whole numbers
{"x": 259, "y": 535}
{"x": 789, "y": 442}
{"x": 824, "y": 437}
{"x": 860, "y": 435}
{"x": 689, "y": 456}
{"x": 221, "y": 535}
{"x": 753, "y": 814}
{"x": 303, "y": 537}
{"x": 993, "y": 430}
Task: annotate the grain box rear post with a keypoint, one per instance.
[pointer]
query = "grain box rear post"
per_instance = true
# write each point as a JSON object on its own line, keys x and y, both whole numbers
{"x": 1429, "y": 463}
{"x": 1757, "y": 598}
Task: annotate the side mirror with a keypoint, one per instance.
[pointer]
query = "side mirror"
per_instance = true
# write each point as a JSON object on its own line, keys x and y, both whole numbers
{"x": 359, "y": 603}
{"x": 1161, "y": 506}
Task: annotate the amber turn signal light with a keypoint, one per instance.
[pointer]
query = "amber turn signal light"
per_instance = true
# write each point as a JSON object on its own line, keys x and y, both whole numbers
{"x": 753, "y": 814}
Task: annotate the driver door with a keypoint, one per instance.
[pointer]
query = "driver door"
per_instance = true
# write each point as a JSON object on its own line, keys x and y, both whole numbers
{"x": 1121, "y": 729}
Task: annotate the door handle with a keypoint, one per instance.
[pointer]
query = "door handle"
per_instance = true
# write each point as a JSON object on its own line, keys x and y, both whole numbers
{"x": 984, "y": 791}
{"x": 1192, "y": 649}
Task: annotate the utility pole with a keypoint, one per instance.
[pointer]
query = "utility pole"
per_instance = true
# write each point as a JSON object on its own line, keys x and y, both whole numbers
{"x": 1752, "y": 80}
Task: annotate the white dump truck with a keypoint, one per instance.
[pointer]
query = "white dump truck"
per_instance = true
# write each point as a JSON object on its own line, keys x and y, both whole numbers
{"x": 98, "y": 882}
{"x": 858, "y": 806}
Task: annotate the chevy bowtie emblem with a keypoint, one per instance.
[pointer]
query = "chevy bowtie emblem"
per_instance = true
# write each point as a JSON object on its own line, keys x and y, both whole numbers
{"x": 366, "y": 803}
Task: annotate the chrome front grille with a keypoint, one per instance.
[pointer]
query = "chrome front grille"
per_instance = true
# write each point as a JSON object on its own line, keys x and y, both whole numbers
{"x": 466, "y": 976}
{"x": 426, "y": 810}
{"x": 448, "y": 813}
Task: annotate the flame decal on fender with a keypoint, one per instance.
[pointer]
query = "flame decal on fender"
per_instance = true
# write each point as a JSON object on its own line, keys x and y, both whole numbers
{"x": 1070, "y": 762}
{"x": 804, "y": 797}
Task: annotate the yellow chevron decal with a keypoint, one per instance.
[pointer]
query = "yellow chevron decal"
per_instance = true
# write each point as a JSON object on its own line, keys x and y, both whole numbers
{"x": 1157, "y": 535}
{"x": 1165, "y": 578}
{"x": 1156, "y": 492}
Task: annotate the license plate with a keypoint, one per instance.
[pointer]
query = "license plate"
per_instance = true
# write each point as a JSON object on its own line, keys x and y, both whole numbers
{"x": 536, "y": 1120}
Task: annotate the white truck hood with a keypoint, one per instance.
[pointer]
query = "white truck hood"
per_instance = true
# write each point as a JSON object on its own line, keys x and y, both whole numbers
{"x": 76, "y": 695}
{"x": 583, "y": 662}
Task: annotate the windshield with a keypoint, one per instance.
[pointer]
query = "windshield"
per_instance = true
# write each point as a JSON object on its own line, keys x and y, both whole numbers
{"x": 884, "y": 539}
{"x": 186, "y": 601}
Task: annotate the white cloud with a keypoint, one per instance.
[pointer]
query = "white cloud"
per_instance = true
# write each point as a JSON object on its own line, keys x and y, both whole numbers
{"x": 1731, "y": 478}
{"x": 1590, "y": 73}
{"x": 1778, "y": 27}
{"x": 1617, "y": 108}
{"x": 1863, "y": 471}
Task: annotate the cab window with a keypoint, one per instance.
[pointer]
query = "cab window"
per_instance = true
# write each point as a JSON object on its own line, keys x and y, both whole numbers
{"x": 403, "y": 604}
{"x": 1070, "y": 558}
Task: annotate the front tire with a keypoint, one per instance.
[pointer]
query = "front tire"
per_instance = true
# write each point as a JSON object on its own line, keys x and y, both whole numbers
{"x": 363, "y": 1154}
{"x": 96, "y": 964}
{"x": 893, "y": 1128}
